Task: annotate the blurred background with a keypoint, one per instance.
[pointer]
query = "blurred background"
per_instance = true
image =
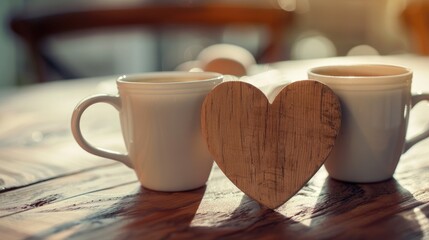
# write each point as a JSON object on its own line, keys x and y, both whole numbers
{"x": 310, "y": 29}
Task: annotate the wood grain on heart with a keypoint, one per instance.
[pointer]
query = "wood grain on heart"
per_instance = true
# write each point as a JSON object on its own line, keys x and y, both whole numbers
{"x": 270, "y": 151}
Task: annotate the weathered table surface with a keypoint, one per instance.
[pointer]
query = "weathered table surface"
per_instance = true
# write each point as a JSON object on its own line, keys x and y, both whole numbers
{"x": 50, "y": 188}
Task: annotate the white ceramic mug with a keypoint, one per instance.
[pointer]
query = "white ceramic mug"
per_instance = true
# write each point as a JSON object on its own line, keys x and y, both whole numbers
{"x": 376, "y": 102}
{"x": 159, "y": 115}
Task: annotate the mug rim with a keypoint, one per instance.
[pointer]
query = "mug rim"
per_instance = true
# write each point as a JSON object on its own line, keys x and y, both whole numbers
{"x": 197, "y": 77}
{"x": 193, "y": 82}
{"x": 368, "y": 73}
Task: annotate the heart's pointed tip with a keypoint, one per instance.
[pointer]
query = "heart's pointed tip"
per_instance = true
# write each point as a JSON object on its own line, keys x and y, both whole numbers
{"x": 267, "y": 203}
{"x": 271, "y": 205}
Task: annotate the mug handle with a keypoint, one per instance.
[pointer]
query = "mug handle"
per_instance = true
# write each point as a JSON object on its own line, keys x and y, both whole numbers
{"x": 77, "y": 134}
{"x": 409, "y": 143}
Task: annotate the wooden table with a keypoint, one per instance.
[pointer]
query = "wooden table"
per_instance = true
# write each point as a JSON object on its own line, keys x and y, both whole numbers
{"x": 50, "y": 188}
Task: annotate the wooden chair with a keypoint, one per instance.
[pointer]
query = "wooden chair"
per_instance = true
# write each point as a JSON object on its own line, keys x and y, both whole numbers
{"x": 34, "y": 31}
{"x": 416, "y": 20}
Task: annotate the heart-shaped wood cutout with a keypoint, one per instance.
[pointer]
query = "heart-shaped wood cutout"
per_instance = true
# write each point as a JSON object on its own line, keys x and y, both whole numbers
{"x": 270, "y": 151}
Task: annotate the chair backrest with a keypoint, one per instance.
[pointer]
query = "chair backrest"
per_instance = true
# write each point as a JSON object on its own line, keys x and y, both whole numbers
{"x": 416, "y": 20}
{"x": 35, "y": 30}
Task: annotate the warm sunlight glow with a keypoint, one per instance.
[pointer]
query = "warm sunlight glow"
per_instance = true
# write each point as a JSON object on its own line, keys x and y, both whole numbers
{"x": 362, "y": 50}
{"x": 316, "y": 46}
{"x": 421, "y": 219}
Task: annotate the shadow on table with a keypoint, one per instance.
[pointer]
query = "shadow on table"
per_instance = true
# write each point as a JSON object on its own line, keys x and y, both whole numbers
{"x": 248, "y": 221}
{"x": 342, "y": 210}
{"x": 157, "y": 216}
{"x": 141, "y": 214}
{"x": 365, "y": 211}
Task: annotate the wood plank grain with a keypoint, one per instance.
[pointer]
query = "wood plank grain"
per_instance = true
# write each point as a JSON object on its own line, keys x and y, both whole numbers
{"x": 24, "y": 165}
{"x": 35, "y": 139}
{"x": 323, "y": 209}
{"x": 69, "y": 186}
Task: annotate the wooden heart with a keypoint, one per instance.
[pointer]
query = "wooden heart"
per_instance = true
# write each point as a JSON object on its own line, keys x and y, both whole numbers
{"x": 270, "y": 151}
